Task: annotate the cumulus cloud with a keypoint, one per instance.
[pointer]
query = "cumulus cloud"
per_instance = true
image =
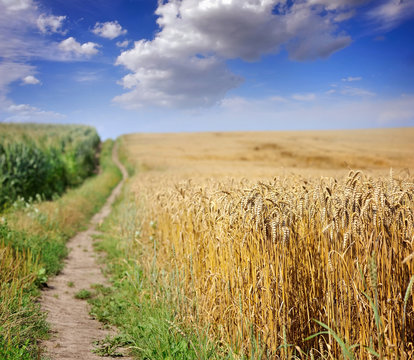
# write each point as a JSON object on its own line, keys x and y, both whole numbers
{"x": 70, "y": 45}
{"x": 197, "y": 37}
{"x": 16, "y": 5}
{"x": 109, "y": 30}
{"x": 50, "y": 24}
{"x": 30, "y": 80}
{"x": 188, "y": 82}
{"x": 20, "y": 42}
{"x": 311, "y": 35}
{"x": 244, "y": 28}
{"x": 391, "y": 13}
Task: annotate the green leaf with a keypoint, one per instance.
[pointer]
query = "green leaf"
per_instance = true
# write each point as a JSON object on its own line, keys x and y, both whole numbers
{"x": 346, "y": 351}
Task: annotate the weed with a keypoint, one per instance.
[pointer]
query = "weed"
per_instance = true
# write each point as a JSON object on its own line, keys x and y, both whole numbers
{"x": 83, "y": 294}
{"x": 148, "y": 324}
{"x": 110, "y": 346}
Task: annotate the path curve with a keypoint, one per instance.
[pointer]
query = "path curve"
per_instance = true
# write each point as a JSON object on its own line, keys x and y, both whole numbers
{"x": 73, "y": 329}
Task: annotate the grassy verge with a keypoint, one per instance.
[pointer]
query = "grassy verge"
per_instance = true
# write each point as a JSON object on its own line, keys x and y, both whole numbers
{"x": 139, "y": 302}
{"x": 32, "y": 247}
{"x": 124, "y": 158}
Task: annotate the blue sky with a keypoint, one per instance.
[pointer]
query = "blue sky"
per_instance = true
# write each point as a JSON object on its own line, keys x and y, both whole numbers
{"x": 196, "y": 65}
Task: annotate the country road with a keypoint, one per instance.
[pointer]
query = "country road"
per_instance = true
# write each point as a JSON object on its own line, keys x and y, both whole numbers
{"x": 73, "y": 330}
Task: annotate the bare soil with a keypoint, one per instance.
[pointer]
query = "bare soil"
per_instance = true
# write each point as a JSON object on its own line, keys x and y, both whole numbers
{"x": 73, "y": 329}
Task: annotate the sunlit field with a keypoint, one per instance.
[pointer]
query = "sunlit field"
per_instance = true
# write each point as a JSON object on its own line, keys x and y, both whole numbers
{"x": 282, "y": 244}
{"x": 270, "y": 154}
{"x": 243, "y": 179}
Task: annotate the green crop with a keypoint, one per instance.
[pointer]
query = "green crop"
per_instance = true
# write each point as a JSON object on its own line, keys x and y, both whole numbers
{"x": 43, "y": 160}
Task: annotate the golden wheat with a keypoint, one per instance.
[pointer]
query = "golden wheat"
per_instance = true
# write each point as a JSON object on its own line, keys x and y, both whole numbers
{"x": 261, "y": 260}
{"x": 264, "y": 260}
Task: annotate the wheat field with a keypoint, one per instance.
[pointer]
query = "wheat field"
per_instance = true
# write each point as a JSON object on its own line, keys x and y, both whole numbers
{"x": 282, "y": 244}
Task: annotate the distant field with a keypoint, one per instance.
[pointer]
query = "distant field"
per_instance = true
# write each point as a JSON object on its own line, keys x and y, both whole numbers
{"x": 275, "y": 153}
{"x": 259, "y": 235}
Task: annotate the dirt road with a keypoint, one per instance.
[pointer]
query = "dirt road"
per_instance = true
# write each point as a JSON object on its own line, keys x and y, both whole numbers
{"x": 73, "y": 329}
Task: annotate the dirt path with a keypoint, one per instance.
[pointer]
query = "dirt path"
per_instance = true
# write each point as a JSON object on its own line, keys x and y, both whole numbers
{"x": 73, "y": 329}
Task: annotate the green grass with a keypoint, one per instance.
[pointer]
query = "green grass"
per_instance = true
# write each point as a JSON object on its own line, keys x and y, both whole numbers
{"x": 141, "y": 303}
{"x": 32, "y": 247}
{"x": 83, "y": 294}
{"x": 148, "y": 323}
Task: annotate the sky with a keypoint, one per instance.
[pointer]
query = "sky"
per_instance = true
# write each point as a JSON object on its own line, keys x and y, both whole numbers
{"x": 207, "y": 65}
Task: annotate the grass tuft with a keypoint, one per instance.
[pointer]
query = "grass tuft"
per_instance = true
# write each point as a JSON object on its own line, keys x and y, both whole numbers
{"x": 83, "y": 294}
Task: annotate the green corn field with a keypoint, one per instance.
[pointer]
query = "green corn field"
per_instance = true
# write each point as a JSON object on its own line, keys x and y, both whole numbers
{"x": 43, "y": 160}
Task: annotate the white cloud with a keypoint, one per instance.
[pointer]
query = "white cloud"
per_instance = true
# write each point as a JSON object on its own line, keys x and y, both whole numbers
{"x": 197, "y": 37}
{"x": 20, "y": 38}
{"x": 338, "y": 4}
{"x": 352, "y": 78}
{"x": 9, "y": 73}
{"x": 166, "y": 82}
{"x": 109, "y": 30}
{"x": 122, "y": 44}
{"x": 70, "y": 45}
{"x": 30, "y": 80}
{"x": 50, "y": 24}
{"x": 345, "y": 16}
{"x": 304, "y": 97}
{"x": 13, "y": 71}
{"x": 311, "y": 35}
{"x": 17, "y": 5}
{"x": 25, "y": 113}
{"x": 353, "y": 91}
{"x": 20, "y": 42}
{"x": 391, "y": 13}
